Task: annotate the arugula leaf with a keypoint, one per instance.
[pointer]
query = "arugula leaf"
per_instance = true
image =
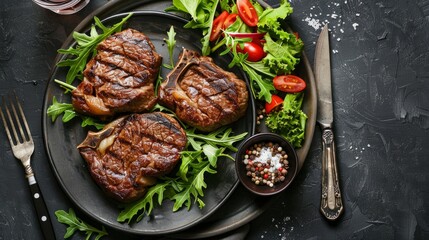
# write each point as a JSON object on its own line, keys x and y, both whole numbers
{"x": 203, "y": 13}
{"x": 86, "y": 47}
{"x": 57, "y": 108}
{"x": 194, "y": 188}
{"x": 290, "y": 120}
{"x": 220, "y": 137}
{"x": 74, "y": 224}
{"x": 260, "y": 76}
{"x": 265, "y": 86}
{"x": 145, "y": 204}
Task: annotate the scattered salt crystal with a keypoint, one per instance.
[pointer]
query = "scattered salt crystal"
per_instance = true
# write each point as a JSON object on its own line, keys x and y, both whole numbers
{"x": 369, "y": 145}
{"x": 315, "y": 23}
{"x": 357, "y": 14}
{"x": 342, "y": 30}
{"x": 334, "y": 16}
{"x": 355, "y": 25}
{"x": 338, "y": 39}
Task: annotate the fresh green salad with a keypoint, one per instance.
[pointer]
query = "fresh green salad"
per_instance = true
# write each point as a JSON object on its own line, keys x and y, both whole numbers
{"x": 262, "y": 48}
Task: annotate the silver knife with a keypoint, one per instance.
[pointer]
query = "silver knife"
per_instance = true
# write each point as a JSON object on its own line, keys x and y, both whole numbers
{"x": 331, "y": 204}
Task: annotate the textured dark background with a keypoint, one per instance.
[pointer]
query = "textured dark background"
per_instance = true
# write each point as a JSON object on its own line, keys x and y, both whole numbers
{"x": 380, "y": 61}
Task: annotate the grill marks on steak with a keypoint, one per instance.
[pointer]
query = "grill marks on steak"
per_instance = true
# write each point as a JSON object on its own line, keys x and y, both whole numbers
{"x": 120, "y": 78}
{"x": 202, "y": 94}
{"x": 129, "y": 153}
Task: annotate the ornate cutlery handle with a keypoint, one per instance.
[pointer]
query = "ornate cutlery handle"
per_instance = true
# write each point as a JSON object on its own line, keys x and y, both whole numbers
{"x": 331, "y": 204}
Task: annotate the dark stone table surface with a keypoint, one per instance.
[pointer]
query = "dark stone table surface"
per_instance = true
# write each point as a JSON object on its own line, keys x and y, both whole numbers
{"x": 380, "y": 71}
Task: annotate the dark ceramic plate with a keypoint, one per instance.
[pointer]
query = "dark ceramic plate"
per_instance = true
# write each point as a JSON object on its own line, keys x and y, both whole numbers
{"x": 61, "y": 140}
{"x": 241, "y": 207}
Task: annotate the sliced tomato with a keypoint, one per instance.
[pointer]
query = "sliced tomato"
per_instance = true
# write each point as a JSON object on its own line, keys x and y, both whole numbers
{"x": 275, "y": 103}
{"x": 254, "y": 51}
{"x": 289, "y": 83}
{"x": 229, "y": 20}
{"x": 218, "y": 25}
{"x": 247, "y": 12}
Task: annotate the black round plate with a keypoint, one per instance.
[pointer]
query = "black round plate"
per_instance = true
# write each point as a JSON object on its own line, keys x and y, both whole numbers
{"x": 71, "y": 171}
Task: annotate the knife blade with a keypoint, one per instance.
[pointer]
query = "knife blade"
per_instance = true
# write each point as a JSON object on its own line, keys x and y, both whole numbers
{"x": 331, "y": 204}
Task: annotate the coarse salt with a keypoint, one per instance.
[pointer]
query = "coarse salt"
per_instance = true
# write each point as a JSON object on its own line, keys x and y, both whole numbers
{"x": 315, "y": 23}
{"x": 266, "y": 155}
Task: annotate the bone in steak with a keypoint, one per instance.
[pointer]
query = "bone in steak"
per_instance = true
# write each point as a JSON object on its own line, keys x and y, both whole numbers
{"x": 120, "y": 78}
{"x": 131, "y": 152}
{"x": 202, "y": 94}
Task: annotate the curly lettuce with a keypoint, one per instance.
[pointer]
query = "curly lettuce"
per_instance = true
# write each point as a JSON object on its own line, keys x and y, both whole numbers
{"x": 290, "y": 120}
{"x": 283, "y": 48}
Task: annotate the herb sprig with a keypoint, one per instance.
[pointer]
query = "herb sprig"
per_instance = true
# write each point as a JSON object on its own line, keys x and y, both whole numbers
{"x": 76, "y": 224}
{"x": 85, "y": 47}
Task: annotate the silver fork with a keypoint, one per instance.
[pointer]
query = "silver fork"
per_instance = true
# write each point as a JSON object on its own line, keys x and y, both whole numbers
{"x": 23, "y": 147}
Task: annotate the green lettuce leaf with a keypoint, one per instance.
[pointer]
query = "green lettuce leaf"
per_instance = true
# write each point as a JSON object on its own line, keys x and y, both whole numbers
{"x": 290, "y": 120}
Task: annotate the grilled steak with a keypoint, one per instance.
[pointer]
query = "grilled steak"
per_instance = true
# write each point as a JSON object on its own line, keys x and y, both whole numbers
{"x": 202, "y": 94}
{"x": 129, "y": 153}
{"x": 120, "y": 78}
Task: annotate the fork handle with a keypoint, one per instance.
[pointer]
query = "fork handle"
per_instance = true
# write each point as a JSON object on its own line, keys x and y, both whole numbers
{"x": 41, "y": 209}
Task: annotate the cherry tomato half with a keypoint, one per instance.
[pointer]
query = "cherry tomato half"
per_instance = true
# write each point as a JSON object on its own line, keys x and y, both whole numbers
{"x": 276, "y": 102}
{"x": 218, "y": 25}
{"x": 229, "y": 20}
{"x": 254, "y": 51}
{"x": 289, "y": 83}
{"x": 247, "y": 12}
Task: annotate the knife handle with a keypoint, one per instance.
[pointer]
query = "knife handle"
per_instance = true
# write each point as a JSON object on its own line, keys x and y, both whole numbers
{"x": 331, "y": 204}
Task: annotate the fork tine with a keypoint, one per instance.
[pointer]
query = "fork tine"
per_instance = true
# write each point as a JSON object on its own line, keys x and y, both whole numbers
{"x": 11, "y": 123}
{"x": 23, "y": 119}
{"x": 6, "y": 127}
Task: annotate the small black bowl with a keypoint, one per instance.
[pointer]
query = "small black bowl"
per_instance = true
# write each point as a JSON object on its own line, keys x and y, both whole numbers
{"x": 240, "y": 167}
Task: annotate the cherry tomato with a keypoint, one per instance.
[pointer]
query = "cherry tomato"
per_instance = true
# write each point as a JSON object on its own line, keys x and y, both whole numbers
{"x": 218, "y": 25}
{"x": 247, "y": 12}
{"x": 229, "y": 20}
{"x": 254, "y": 51}
{"x": 276, "y": 102}
{"x": 289, "y": 83}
